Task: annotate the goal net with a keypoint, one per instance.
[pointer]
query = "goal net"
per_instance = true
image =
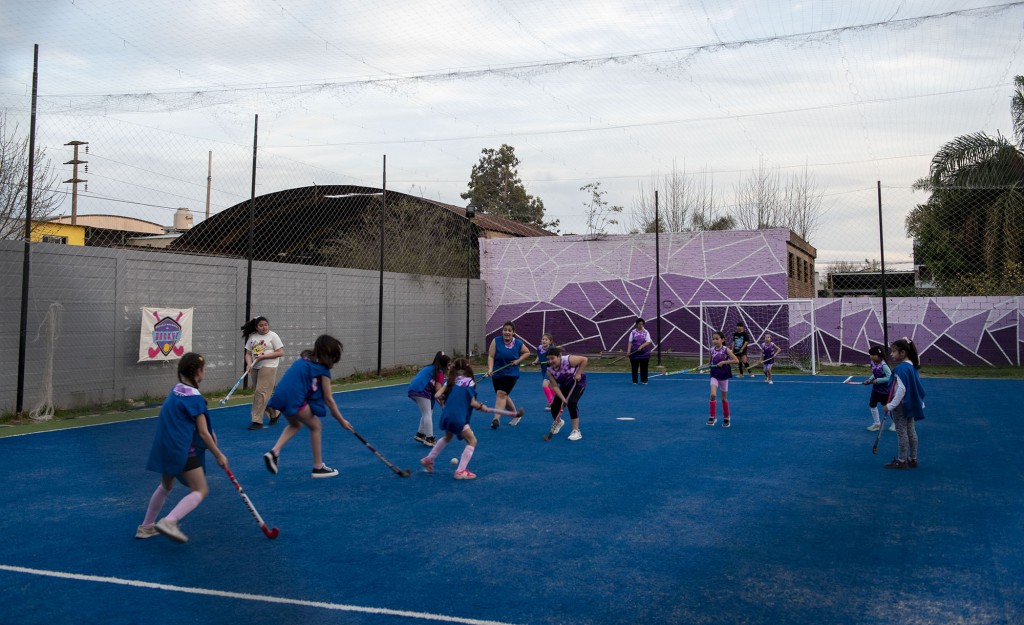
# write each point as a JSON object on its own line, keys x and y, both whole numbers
{"x": 790, "y": 322}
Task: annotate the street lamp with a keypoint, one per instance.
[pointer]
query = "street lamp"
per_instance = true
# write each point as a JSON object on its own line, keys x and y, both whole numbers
{"x": 470, "y": 213}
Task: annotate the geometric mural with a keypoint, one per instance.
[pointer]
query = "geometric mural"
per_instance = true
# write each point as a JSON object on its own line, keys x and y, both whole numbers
{"x": 587, "y": 293}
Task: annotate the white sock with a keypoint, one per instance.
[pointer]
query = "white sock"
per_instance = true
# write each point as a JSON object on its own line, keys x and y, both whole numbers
{"x": 874, "y": 415}
{"x": 436, "y": 449}
{"x": 467, "y": 453}
{"x": 187, "y": 504}
{"x": 156, "y": 502}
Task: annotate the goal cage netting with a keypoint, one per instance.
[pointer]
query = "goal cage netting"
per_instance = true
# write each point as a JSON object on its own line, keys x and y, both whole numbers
{"x": 790, "y": 322}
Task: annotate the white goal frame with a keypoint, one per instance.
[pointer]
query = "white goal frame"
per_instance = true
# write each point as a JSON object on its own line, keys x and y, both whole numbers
{"x": 780, "y": 325}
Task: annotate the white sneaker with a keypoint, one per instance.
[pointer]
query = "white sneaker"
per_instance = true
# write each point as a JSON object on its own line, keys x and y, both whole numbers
{"x": 146, "y": 531}
{"x": 557, "y": 426}
{"x": 874, "y": 427}
{"x": 171, "y": 530}
{"x": 324, "y": 471}
{"x": 892, "y": 427}
{"x": 575, "y": 435}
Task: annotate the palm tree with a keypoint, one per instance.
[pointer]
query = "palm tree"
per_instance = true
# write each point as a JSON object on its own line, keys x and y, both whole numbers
{"x": 971, "y": 229}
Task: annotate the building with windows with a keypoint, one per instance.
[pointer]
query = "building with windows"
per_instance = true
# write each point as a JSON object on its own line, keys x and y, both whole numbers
{"x": 800, "y": 256}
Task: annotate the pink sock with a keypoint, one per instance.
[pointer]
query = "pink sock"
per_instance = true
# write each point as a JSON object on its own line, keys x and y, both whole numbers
{"x": 467, "y": 453}
{"x": 187, "y": 504}
{"x": 155, "y": 503}
{"x": 438, "y": 446}
{"x": 549, "y": 394}
{"x": 725, "y": 409}
{"x": 712, "y": 408}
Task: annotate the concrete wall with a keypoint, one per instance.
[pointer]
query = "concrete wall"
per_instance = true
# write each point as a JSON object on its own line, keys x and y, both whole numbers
{"x": 99, "y": 293}
{"x": 587, "y": 293}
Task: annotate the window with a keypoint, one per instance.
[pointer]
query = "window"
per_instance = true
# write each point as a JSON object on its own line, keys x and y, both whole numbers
{"x": 50, "y": 238}
{"x": 798, "y": 267}
{"x": 807, "y": 273}
{"x": 791, "y": 265}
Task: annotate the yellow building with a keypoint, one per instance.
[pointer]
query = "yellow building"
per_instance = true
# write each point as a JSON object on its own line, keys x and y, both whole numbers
{"x": 52, "y": 232}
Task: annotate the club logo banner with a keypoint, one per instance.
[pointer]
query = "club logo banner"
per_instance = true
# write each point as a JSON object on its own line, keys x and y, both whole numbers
{"x": 166, "y": 333}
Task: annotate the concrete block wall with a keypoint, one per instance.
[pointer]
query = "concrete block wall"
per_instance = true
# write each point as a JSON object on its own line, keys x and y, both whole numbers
{"x": 100, "y": 292}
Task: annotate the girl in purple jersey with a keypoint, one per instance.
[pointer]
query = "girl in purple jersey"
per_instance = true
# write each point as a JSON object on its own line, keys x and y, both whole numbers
{"x": 459, "y": 399}
{"x": 721, "y": 370}
{"x": 183, "y": 434}
{"x": 880, "y": 382}
{"x": 567, "y": 376}
{"x": 546, "y": 342}
{"x": 768, "y": 351}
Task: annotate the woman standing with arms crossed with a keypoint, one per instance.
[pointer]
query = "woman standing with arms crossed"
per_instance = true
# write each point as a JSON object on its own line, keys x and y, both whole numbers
{"x": 503, "y": 358}
{"x": 263, "y": 351}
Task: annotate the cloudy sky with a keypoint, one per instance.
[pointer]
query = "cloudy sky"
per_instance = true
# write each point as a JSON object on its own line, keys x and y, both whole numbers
{"x": 620, "y": 93}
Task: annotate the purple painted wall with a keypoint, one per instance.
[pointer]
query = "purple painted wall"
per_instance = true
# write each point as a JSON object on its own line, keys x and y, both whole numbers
{"x": 587, "y": 293}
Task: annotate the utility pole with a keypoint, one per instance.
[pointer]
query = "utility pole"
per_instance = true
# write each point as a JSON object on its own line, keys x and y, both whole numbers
{"x": 209, "y": 181}
{"x": 75, "y": 179}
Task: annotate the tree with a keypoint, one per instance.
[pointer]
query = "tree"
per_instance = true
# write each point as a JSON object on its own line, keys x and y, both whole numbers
{"x": 970, "y": 231}
{"x": 599, "y": 213}
{"x": 495, "y": 188}
{"x": 763, "y": 201}
{"x": 46, "y": 196}
{"x": 685, "y": 203}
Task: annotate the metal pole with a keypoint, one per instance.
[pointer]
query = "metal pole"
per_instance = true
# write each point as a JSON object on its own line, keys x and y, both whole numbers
{"x": 209, "y": 182}
{"x": 25, "y": 274}
{"x": 252, "y": 225}
{"x": 657, "y": 269}
{"x": 380, "y": 296}
{"x": 881, "y": 250}
{"x": 469, "y": 270}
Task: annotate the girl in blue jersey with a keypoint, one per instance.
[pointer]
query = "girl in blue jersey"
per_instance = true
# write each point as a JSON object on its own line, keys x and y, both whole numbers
{"x": 546, "y": 342}
{"x": 183, "y": 434}
{"x": 459, "y": 399}
{"x": 566, "y": 375}
{"x": 881, "y": 383}
{"x": 769, "y": 348}
{"x": 721, "y": 370}
{"x": 639, "y": 350}
{"x": 505, "y": 354}
{"x": 303, "y": 396}
{"x": 422, "y": 389}
{"x": 906, "y": 403}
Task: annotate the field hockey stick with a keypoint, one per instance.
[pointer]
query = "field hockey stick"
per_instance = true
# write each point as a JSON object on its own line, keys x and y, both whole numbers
{"x": 235, "y": 387}
{"x": 850, "y": 380}
{"x": 400, "y": 472}
{"x": 878, "y": 437}
{"x": 558, "y": 418}
{"x": 271, "y": 532}
{"x": 692, "y": 370}
{"x": 501, "y": 368}
{"x": 507, "y": 413}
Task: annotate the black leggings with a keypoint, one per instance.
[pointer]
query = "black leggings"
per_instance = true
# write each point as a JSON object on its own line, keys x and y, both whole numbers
{"x": 642, "y": 366}
{"x": 574, "y": 400}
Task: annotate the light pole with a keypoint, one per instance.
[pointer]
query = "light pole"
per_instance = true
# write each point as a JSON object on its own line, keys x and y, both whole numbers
{"x": 470, "y": 213}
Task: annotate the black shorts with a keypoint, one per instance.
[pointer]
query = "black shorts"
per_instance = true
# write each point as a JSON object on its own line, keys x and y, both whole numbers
{"x": 504, "y": 383}
{"x": 191, "y": 463}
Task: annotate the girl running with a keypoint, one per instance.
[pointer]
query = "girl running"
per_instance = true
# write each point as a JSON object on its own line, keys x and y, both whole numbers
{"x": 503, "y": 358}
{"x": 639, "y": 350}
{"x": 721, "y": 370}
{"x": 567, "y": 376}
{"x": 768, "y": 350}
{"x": 263, "y": 351}
{"x": 422, "y": 389}
{"x": 881, "y": 383}
{"x": 303, "y": 397}
{"x": 906, "y": 403}
{"x": 459, "y": 399}
{"x": 183, "y": 434}
{"x": 546, "y": 342}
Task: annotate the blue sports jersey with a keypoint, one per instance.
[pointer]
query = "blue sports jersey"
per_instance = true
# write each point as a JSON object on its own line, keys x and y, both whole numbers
{"x": 176, "y": 436}
{"x": 458, "y": 408}
{"x": 424, "y": 384}
{"x": 542, "y": 356}
{"x": 504, "y": 355}
{"x": 300, "y": 385}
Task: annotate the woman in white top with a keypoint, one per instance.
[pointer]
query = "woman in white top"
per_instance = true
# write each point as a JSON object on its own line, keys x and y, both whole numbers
{"x": 263, "y": 351}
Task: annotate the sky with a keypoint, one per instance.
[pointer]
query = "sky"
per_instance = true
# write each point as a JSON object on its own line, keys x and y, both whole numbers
{"x": 859, "y": 94}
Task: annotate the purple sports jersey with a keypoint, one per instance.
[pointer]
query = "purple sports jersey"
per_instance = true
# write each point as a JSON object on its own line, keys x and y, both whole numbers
{"x": 721, "y": 372}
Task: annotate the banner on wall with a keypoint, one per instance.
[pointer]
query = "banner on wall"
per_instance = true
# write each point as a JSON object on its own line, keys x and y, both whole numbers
{"x": 166, "y": 334}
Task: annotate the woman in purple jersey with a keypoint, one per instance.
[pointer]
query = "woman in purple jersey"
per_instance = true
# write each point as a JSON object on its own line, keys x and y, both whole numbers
{"x": 567, "y": 376}
{"x": 721, "y": 370}
{"x": 639, "y": 350}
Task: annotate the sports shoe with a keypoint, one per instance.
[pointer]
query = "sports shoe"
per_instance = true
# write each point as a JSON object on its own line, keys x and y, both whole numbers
{"x": 896, "y": 463}
{"x": 273, "y": 420}
{"x": 725, "y": 422}
{"x": 270, "y": 459}
{"x": 255, "y": 426}
{"x": 874, "y": 427}
{"x": 324, "y": 471}
{"x": 146, "y": 531}
{"x": 171, "y": 530}
{"x": 465, "y": 475}
{"x": 495, "y": 422}
{"x": 770, "y": 382}
{"x": 556, "y": 427}
{"x": 548, "y": 407}
{"x": 575, "y": 435}
{"x": 892, "y": 427}
{"x": 430, "y": 441}
{"x": 428, "y": 464}
{"x": 912, "y": 463}
{"x": 420, "y": 438}
{"x": 753, "y": 375}
{"x": 712, "y": 421}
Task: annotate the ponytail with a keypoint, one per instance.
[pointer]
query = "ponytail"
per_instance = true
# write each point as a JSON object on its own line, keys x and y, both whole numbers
{"x": 907, "y": 346}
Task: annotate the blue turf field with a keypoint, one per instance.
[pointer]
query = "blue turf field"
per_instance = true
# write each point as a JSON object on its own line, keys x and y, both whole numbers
{"x": 784, "y": 518}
